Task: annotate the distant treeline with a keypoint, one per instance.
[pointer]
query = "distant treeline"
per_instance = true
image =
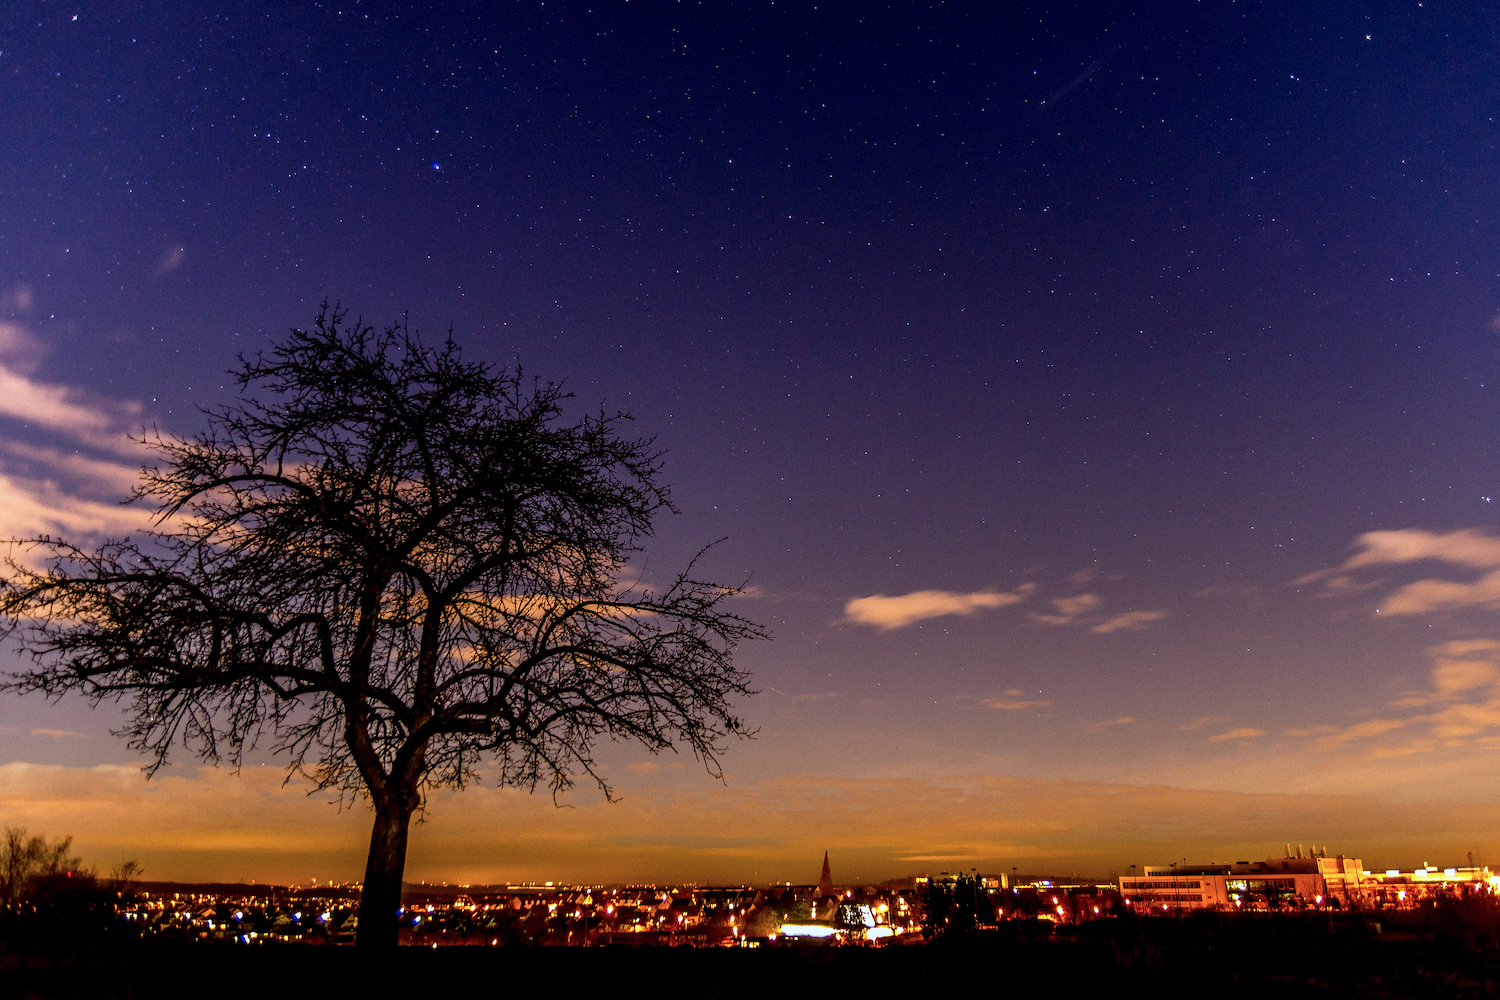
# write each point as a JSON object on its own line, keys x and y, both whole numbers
{"x": 33, "y": 869}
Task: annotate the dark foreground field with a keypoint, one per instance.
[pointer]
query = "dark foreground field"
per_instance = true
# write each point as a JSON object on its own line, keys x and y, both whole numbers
{"x": 1267, "y": 957}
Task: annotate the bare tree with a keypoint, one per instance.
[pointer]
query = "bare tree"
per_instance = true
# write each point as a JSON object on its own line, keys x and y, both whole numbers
{"x": 125, "y": 878}
{"x": 391, "y": 565}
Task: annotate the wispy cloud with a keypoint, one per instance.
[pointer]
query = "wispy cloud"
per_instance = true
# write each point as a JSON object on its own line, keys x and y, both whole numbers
{"x": 1438, "y": 595}
{"x": 95, "y": 421}
{"x": 1462, "y": 702}
{"x": 1466, "y": 549}
{"x": 55, "y": 733}
{"x": 1459, "y": 667}
{"x": 1359, "y": 731}
{"x": 66, "y": 411}
{"x": 30, "y": 508}
{"x": 73, "y": 485}
{"x": 1074, "y": 606}
{"x": 1236, "y": 734}
{"x": 1080, "y": 607}
{"x": 1229, "y": 590}
{"x": 1132, "y": 621}
{"x": 170, "y": 261}
{"x": 886, "y": 613}
{"x": 19, "y": 347}
{"x": 1465, "y": 690}
{"x": 18, "y": 298}
{"x": 1067, "y": 609}
{"x": 1123, "y": 720}
{"x": 1014, "y": 702}
{"x": 113, "y": 477}
{"x": 1199, "y": 723}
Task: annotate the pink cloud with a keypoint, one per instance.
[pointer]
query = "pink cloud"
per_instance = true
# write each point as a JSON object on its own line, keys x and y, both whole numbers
{"x": 1236, "y": 734}
{"x": 886, "y": 613}
{"x": 1132, "y": 621}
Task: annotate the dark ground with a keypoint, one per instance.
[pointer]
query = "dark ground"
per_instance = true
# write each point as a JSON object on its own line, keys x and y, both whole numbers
{"x": 1283, "y": 957}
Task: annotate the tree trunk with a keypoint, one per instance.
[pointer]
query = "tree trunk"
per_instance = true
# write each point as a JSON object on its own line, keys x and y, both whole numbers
{"x": 380, "y": 899}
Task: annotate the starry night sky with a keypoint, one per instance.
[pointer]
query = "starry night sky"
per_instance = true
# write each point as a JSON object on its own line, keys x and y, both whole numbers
{"x": 1099, "y": 399}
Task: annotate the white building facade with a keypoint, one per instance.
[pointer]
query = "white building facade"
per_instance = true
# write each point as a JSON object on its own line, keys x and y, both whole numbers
{"x": 1286, "y": 881}
{"x": 1317, "y": 880}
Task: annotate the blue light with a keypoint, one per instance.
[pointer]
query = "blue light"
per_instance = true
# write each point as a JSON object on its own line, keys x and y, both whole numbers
{"x": 435, "y": 165}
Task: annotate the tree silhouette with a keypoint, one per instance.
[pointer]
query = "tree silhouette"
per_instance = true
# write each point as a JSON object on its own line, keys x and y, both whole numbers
{"x": 29, "y": 863}
{"x": 391, "y": 565}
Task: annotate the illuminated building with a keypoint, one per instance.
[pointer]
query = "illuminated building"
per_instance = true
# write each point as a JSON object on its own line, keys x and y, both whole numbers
{"x": 1394, "y": 887}
{"x": 1291, "y": 880}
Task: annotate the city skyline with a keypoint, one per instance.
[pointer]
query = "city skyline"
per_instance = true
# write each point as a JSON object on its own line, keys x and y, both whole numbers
{"x": 1100, "y": 410}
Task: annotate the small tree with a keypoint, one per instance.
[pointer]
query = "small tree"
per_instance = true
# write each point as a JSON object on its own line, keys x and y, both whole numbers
{"x": 935, "y": 905}
{"x": 394, "y": 564}
{"x": 952, "y": 906}
{"x": 125, "y": 878}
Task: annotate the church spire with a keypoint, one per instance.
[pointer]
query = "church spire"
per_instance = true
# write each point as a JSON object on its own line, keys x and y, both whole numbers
{"x": 825, "y": 881}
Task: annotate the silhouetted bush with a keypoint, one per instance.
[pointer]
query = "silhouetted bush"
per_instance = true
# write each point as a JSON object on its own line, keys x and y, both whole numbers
{"x": 1470, "y": 920}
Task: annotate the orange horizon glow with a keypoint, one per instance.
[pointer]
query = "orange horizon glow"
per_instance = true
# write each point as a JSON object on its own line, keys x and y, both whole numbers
{"x": 214, "y": 825}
